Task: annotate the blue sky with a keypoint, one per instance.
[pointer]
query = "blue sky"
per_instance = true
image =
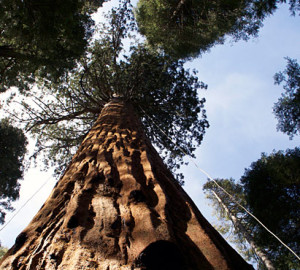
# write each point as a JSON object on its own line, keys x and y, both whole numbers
{"x": 240, "y": 97}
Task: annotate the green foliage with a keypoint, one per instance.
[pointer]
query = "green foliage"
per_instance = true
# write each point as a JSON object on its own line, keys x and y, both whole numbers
{"x": 270, "y": 189}
{"x": 158, "y": 86}
{"x": 287, "y": 109}
{"x": 187, "y": 28}
{"x": 226, "y": 227}
{"x": 42, "y": 38}
{"x": 12, "y": 150}
{"x": 232, "y": 188}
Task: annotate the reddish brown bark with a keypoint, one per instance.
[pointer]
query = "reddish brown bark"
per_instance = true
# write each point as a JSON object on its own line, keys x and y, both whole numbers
{"x": 118, "y": 207}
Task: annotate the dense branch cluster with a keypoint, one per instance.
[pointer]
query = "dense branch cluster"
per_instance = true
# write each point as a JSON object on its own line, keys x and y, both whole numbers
{"x": 163, "y": 92}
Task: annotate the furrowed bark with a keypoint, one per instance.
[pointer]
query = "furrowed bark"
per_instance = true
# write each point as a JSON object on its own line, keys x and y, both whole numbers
{"x": 118, "y": 207}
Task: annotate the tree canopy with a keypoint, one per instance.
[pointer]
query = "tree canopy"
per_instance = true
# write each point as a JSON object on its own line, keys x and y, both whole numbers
{"x": 163, "y": 92}
{"x": 287, "y": 109}
{"x": 12, "y": 150}
{"x": 270, "y": 189}
{"x": 42, "y": 38}
{"x": 186, "y": 28}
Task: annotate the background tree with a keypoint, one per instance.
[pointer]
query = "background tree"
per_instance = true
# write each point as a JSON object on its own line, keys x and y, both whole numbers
{"x": 186, "y": 28}
{"x": 12, "y": 150}
{"x": 162, "y": 91}
{"x": 287, "y": 109}
{"x": 42, "y": 38}
{"x": 270, "y": 190}
{"x": 234, "y": 219}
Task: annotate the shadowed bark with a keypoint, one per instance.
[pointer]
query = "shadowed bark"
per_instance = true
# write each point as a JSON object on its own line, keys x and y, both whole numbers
{"x": 118, "y": 207}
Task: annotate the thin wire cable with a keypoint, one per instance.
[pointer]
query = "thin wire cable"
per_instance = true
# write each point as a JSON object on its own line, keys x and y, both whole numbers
{"x": 26, "y": 203}
{"x": 232, "y": 198}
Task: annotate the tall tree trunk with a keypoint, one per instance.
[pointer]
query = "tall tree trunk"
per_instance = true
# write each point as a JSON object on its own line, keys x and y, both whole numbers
{"x": 118, "y": 207}
{"x": 237, "y": 224}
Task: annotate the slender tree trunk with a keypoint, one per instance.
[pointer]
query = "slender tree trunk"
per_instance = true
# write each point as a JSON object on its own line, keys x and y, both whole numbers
{"x": 263, "y": 257}
{"x": 118, "y": 207}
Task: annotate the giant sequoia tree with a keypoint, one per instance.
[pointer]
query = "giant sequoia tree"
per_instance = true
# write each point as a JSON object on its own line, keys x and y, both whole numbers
{"x": 41, "y": 38}
{"x": 117, "y": 206}
{"x": 163, "y": 92}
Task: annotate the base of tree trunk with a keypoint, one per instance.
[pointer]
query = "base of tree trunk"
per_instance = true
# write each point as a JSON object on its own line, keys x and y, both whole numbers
{"x": 118, "y": 207}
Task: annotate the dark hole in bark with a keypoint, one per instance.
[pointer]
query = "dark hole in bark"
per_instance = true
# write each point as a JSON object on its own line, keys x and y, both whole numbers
{"x": 116, "y": 225}
{"x": 118, "y": 145}
{"x": 99, "y": 178}
{"x": 137, "y": 196}
{"x": 161, "y": 255}
{"x": 109, "y": 141}
{"x": 110, "y": 181}
{"x": 73, "y": 222}
{"x": 20, "y": 240}
{"x": 134, "y": 144}
{"x": 115, "y": 228}
{"x": 126, "y": 153}
{"x": 53, "y": 256}
{"x": 155, "y": 218}
{"x": 57, "y": 257}
{"x": 93, "y": 160}
{"x": 39, "y": 229}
